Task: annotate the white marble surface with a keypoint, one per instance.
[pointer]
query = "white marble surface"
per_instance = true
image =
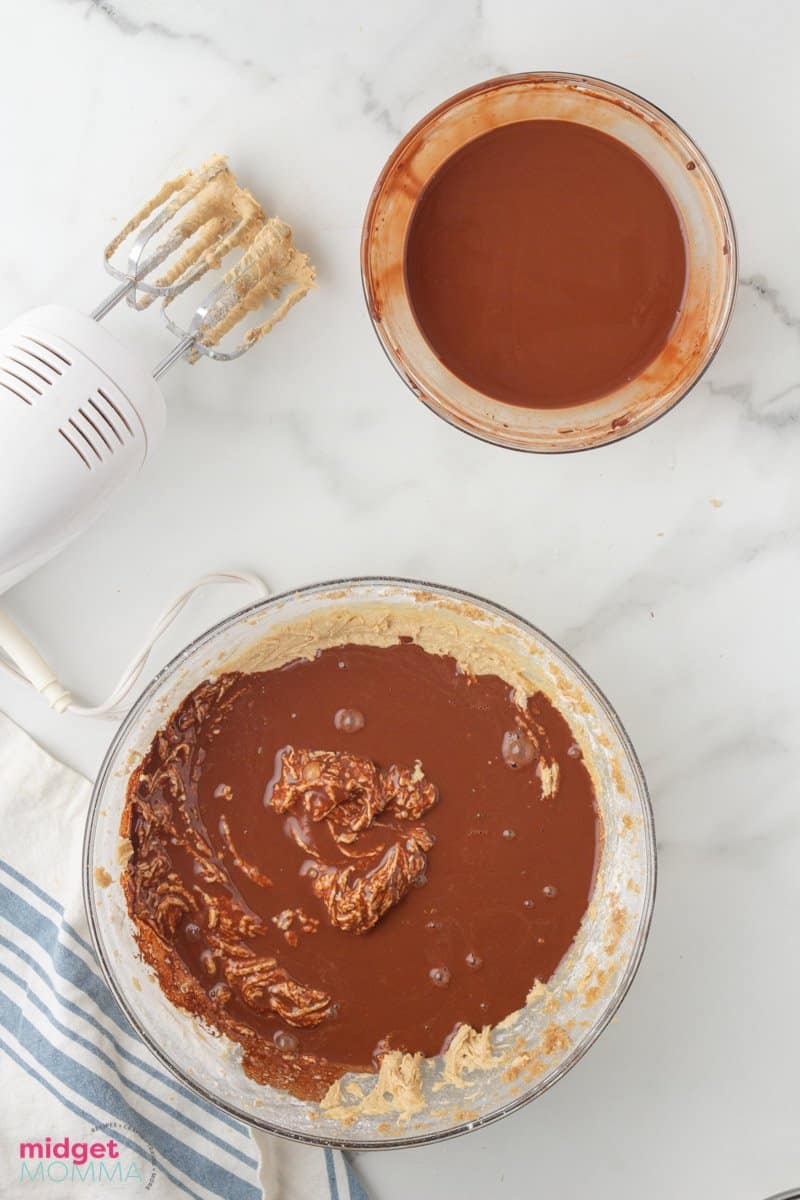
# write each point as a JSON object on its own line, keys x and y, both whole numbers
{"x": 668, "y": 564}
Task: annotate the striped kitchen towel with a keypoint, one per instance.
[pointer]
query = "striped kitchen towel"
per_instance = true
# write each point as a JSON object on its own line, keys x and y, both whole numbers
{"x": 84, "y": 1103}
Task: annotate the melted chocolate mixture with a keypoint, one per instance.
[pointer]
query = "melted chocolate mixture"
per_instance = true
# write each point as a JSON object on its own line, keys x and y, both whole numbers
{"x": 357, "y": 853}
{"x": 545, "y": 264}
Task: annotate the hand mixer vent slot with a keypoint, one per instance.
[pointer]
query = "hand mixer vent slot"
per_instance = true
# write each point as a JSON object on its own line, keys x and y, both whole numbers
{"x": 46, "y": 371}
{"x": 84, "y": 436}
{"x": 15, "y": 378}
{"x": 50, "y": 366}
{"x": 109, "y": 411}
{"x": 105, "y": 420}
{"x": 97, "y": 429}
{"x": 14, "y": 391}
{"x": 29, "y": 370}
{"x": 77, "y": 449}
{"x": 49, "y": 350}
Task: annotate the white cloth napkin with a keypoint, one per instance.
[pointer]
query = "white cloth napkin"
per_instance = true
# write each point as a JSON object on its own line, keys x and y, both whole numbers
{"x": 84, "y": 1103}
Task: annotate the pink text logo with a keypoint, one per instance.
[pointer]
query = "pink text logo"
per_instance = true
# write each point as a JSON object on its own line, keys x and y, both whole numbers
{"x": 59, "y": 1160}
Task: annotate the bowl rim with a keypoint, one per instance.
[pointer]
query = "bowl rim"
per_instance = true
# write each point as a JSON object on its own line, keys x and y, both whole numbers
{"x": 414, "y": 586}
{"x": 729, "y": 299}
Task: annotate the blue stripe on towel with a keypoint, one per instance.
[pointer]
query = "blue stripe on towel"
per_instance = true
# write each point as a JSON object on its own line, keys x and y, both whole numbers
{"x": 49, "y": 900}
{"x": 353, "y": 1182}
{"x": 330, "y": 1167}
{"x": 45, "y": 932}
{"x": 93, "y": 1048}
{"x": 119, "y": 1136}
{"x": 87, "y": 1016}
{"x": 71, "y": 968}
{"x": 99, "y": 1091}
{"x": 66, "y": 962}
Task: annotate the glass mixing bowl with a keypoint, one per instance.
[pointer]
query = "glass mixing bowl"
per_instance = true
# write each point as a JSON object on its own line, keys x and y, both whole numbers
{"x": 589, "y": 984}
{"x": 681, "y": 168}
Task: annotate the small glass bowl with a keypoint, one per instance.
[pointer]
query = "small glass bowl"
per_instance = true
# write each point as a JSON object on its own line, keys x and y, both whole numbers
{"x": 608, "y": 947}
{"x": 681, "y": 168}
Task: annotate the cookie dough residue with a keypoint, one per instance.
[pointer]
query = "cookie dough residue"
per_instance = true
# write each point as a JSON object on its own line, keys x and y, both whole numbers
{"x": 202, "y": 217}
{"x": 362, "y": 866}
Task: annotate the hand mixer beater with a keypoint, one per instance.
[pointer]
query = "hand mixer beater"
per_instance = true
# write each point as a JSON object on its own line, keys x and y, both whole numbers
{"x": 78, "y": 411}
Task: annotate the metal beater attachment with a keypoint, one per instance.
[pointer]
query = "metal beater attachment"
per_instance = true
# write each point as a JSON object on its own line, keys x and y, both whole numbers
{"x": 197, "y": 223}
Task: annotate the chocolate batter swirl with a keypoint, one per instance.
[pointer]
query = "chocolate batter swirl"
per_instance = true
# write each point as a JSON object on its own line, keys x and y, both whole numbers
{"x": 354, "y": 854}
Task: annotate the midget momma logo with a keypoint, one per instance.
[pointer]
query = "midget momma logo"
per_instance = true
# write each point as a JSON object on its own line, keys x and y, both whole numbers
{"x": 98, "y": 1158}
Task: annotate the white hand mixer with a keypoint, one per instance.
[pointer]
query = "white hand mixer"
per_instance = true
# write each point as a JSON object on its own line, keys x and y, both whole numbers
{"x": 78, "y": 412}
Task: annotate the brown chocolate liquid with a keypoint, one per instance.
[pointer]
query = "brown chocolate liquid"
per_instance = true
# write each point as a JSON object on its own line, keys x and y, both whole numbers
{"x": 507, "y": 880}
{"x": 545, "y": 264}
